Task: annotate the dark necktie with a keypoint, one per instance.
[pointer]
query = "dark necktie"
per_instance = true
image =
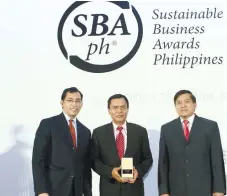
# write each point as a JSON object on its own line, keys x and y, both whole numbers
{"x": 120, "y": 142}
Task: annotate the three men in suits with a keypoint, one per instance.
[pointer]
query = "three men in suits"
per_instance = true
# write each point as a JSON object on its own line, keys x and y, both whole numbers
{"x": 119, "y": 139}
{"x": 61, "y": 153}
{"x": 190, "y": 153}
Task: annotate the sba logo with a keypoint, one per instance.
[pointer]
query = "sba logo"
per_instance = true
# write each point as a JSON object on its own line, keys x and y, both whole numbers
{"x": 100, "y": 37}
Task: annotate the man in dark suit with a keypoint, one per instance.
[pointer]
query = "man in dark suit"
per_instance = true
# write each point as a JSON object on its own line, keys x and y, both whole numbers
{"x": 190, "y": 153}
{"x": 61, "y": 154}
{"x": 120, "y": 139}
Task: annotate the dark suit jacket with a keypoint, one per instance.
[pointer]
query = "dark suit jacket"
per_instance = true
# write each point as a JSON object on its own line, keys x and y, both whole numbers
{"x": 193, "y": 168}
{"x": 106, "y": 158}
{"x": 55, "y": 163}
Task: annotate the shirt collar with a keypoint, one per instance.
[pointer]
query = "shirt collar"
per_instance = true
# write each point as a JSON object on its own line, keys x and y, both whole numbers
{"x": 190, "y": 119}
{"x": 124, "y": 126}
{"x": 68, "y": 118}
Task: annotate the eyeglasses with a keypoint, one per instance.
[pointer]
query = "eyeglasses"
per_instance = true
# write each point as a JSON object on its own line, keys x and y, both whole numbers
{"x": 71, "y": 101}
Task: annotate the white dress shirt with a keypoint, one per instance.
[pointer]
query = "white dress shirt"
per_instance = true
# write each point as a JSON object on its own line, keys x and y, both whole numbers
{"x": 124, "y": 131}
{"x": 190, "y": 120}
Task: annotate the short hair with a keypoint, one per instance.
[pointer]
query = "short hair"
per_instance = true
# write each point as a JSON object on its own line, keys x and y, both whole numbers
{"x": 70, "y": 90}
{"x": 181, "y": 92}
{"x": 117, "y": 96}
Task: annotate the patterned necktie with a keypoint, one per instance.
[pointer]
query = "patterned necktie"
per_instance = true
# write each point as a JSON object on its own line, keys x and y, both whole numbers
{"x": 73, "y": 132}
{"x": 120, "y": 142}
{"x": 186, "y": 130}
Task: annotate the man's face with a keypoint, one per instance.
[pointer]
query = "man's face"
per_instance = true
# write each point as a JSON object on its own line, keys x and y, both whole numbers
{"x": 72, "y": 104}
{"x": 118, "y": 110}
{"x": 185, "y": 106}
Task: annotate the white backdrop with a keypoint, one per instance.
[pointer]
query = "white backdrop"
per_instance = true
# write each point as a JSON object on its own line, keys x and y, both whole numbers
{"x": 34, "y": 73}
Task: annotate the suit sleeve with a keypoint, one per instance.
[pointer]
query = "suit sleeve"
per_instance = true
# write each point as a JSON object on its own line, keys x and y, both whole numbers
{"x": 98, "y": 166}
{"x": 163, "y": 165}
{"x": 146, "y": 156}
{"x": 39, "y": 157}
{"x": 217, "y": 162}
{"x": 87, "y": 185}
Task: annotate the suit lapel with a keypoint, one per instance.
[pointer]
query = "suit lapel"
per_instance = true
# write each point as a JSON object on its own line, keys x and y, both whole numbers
{"x": 194, "y": 128}
{"x": 129, "y": 139}
{"x": 79, "y": 130}
{"x": 180, "y": 131}
{"x": 64, "y": 128}
{"x": 110, "y": 138}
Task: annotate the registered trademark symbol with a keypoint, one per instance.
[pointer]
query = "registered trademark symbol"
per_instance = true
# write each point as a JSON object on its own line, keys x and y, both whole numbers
{"x": 114, "y": 43}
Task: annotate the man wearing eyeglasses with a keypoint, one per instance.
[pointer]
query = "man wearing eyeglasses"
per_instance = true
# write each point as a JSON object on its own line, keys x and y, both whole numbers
{"x": 114, "y": 141}
{"x": 61, "y": 152}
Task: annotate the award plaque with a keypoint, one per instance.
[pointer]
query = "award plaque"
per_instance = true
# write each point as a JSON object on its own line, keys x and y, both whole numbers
{"x": 127, "y": 168}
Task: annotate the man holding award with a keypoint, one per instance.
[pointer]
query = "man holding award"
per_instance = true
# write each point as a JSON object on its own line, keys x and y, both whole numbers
{"x": 121, "y": 152}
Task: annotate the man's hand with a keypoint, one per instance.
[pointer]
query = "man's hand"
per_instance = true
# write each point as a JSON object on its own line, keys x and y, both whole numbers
{"x": 44, "y": 194}
{"x": 135, "y": 176}
{"x": 165, "y": 195}
{"x": 218, "y": 194}
{"x": 116, "y": 175}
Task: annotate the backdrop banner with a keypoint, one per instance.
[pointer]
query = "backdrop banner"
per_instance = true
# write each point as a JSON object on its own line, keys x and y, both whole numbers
{"x": 146, "y": 50}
